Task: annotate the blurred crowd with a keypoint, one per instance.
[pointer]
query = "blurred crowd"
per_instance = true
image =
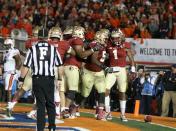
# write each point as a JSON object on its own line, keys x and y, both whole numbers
{"x": 137, "y": 18}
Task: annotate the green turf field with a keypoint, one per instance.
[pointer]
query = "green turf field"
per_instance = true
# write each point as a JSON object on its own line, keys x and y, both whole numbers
{"x": 136, "y": 124}
{"x": 131, "y": 123}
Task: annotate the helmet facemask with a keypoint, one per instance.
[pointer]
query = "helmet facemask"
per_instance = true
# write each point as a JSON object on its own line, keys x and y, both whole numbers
{"x": 9, "y": 43}
{"x": 117, "y": 38}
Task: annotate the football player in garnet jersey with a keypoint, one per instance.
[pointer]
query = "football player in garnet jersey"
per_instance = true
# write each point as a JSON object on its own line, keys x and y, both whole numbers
{"x": 118, "y": 50}
{"x": 93, "y": 72}
{"x": 67, "y": 33}
{"x": 72, "y": 67}
{"x": 27, "y": 86}
{"x": 63, "y": 47}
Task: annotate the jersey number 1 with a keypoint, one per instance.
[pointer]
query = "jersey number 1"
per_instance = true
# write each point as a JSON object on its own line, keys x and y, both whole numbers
{"x": 115, "y": 54}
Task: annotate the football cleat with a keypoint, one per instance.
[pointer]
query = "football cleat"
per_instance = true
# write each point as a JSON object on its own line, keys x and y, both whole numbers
{"x": 77, "y": 111}
{"x": 72, "y": 111}
{"x": 123, "y": 118}
{"x": 101, "y": 114}
{"x": 10, "y": 105}
{"x": 65, "y": 114}
{"x": 108, "y": 116}
{"x": 32, "y": 115}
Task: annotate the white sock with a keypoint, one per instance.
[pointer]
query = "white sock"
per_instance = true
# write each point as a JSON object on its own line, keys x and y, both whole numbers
{"x": 107, "y": 104}
{"x": 58, "y": 109}
{"x": 122, "y": 106}
{"x": 96, "y": 103}
{"x": 12, "y": 104}
{"x": 62, "y": 109}
{"x": 56, "y": 96}
{"x": 32, "y": 112}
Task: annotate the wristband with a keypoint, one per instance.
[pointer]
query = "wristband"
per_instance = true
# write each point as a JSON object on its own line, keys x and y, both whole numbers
{"x": 21, "y": 79}
{"x": 59, "y": 79}
{"x": 103, "y": 66}
{"x": 92, "y": 50}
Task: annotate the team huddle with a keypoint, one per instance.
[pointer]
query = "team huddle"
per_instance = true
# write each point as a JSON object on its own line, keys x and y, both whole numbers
{"x": 98, "y": 64}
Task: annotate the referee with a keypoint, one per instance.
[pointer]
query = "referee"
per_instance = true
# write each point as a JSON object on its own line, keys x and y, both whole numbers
{"x": 42, "y": 58}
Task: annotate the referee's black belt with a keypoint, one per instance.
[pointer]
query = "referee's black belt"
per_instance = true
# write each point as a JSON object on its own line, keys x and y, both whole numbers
{"x": 41, "y": 76}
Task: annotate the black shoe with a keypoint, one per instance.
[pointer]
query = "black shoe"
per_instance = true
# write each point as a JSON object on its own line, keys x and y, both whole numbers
{"x": 51, "y": 129}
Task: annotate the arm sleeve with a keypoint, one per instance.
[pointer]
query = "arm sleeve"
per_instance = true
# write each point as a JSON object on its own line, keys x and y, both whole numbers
{"x": 58, "y": 60}
{"x": 28, "y": 59}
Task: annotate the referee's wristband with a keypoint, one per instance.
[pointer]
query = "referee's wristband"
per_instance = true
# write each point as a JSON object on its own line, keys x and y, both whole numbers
{"x": 20, "y": 79}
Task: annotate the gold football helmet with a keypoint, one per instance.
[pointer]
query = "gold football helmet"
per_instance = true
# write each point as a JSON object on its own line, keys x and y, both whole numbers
{"x": 68, "y": 30}
{"x": 78, "y": 31}
{"x": 118, "y": 34}
{"x": 35, "y": 31}
{"x": 106, "y": 31}
{"x": 55, "y": 32}
{"x": 101, "y": 37}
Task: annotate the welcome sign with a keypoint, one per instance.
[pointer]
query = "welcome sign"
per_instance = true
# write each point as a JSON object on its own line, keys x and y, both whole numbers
{"x": 154, "y": 51}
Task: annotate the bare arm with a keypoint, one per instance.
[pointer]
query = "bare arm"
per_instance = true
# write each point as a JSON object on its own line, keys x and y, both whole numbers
{"x": 81, "y": 53}
{"x": 22, "y": 53}
{"x": 130, "y": 56}
{"x": 71, "y": 51}
{"x": 60, "y": 70}
{"x": 18, "y": 61}
{"x": 94, "y": 59}
{"x": 24, "y": 71}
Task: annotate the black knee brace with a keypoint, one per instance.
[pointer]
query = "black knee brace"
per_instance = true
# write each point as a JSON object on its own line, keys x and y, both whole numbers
{"x": 71, "y": 94}
{"x": 101, "y": 99}
{"x": 79, "y": 99}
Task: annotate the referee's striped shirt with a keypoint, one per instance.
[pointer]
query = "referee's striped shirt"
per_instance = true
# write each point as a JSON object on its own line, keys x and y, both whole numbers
{"x": 42, "y": 58}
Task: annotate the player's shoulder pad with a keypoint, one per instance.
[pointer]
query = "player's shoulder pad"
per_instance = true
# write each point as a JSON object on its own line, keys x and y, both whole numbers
{"x": 127, "y": 45}
{"x": 76, "y": 41}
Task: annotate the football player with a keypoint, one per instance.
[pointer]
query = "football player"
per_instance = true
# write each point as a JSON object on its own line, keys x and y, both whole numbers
{"x": 118, "y": 50}
{"x": 27, "y": 86}
{"x": 67, "y": 33}
{"x": 12, "y": 64}
{"x": 93, "y": 72}
{"x": 56, "y": 37}
{"x": 72, "y": 66}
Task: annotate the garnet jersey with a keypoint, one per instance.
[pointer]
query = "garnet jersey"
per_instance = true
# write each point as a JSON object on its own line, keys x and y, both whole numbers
{"x": 30, "y": 42}
{"x": 73, "y": 60}
{"x": 101, "y": 58}
{"x": 117, "y": 55}
{"x": 62, "y": 47}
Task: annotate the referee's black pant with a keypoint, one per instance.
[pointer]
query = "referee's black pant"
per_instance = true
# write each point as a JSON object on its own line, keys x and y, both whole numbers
{"x": 43, "y": 88}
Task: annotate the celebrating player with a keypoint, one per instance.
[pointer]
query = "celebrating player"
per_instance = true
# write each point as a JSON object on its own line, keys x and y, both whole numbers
{"x": 118, "y": 50}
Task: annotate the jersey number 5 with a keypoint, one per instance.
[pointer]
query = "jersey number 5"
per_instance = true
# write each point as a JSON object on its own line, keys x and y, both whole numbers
{"x": 103, "y": 56}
